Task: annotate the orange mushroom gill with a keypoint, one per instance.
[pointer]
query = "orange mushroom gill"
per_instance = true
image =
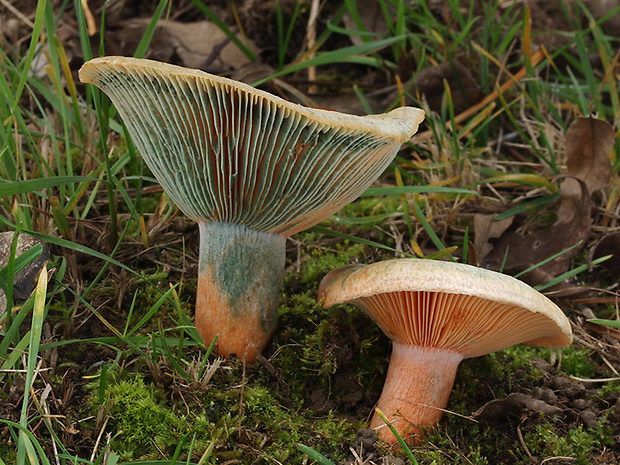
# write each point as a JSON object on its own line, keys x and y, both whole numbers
{"x": 436, "y": 314}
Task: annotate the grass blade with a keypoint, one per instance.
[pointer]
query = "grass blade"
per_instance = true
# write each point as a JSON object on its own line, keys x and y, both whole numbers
{"x": 314, "y": 455}
{"x": 38, "y": 315}
{"x": 400, "y": 440}
{"x": 8, "y": 188}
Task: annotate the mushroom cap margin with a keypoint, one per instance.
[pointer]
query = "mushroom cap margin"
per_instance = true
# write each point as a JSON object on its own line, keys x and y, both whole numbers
{"x": 398, "y": 125}
{"x": 351, "y": 284}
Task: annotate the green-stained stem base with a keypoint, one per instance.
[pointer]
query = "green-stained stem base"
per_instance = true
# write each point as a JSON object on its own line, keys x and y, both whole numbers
{"x": 416, "y": 391}
{"x": 239, "y": 281}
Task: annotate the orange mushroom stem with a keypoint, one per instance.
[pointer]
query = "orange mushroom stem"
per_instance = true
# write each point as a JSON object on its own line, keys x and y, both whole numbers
{"x": 240, "y": 274}
{"x": 416, "y": 390}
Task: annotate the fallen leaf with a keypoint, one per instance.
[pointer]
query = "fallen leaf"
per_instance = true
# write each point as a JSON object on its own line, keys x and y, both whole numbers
{"x": 23, "y": 280}
{"x": 429, "y": 83}
{"x": 252, "y": 72}
{"x": 517, "y": 251}
{"x": 487, "y": 229}
{"x": 602, "y": 8}
{"x": 372, "y": 18}
{"x": 464, "y": 89}
{"x": 203, "y": 45}
{"x": 199, "y": 45}
{"x": 574, "y": 207}
{"x": 589, "y": 142}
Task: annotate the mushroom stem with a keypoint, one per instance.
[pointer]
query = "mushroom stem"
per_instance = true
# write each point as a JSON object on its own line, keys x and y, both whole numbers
{"x": 240, "y": 275}
{"x": 416, "y": 390}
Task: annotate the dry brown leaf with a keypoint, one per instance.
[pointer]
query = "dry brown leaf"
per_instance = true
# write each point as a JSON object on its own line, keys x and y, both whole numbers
{"x": 589, "y": 142}
{"x": 372, "y": 18}
{"x": 200, "y": 45}
{"x": 574, "y": 208}
{"x": 601, "y": 8}
{"x": 24, "y": 279}
{"x": 203, "y": 41}
{"x": 518, "y": 251}
{"x": 252, "y": 72}
{"x": 486, "y": 228}
{"x": 609, "y": 245}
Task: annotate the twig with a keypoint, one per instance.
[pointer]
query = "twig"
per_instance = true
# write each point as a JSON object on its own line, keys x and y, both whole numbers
{"x": 311, "y": 40}
{"x": 105, "y": 422}
{"x": 592, "y": 380}
{"x": 241, "y": 397}
{"x": 522, "y": 441}
{"x": 18, "y": 13}
{"x": 548, "y": 459}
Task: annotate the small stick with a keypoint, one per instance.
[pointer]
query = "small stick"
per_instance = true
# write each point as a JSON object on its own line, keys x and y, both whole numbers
{"x": 522, "y": 441}
{"x": 91, "y": 25}
{"x": 241, "y": 397}
{"x": 311, "y": 40}
{"x": 594, "y": 380}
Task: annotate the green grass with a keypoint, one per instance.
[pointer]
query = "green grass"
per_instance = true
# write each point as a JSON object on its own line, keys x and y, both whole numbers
{"x": 109, "y": 325}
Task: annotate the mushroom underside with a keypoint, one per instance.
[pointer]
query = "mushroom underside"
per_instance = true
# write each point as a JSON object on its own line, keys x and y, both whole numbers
{"x": 464, "y": 323}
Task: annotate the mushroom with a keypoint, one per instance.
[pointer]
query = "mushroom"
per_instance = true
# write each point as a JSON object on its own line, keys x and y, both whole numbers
{"x": 436, "y": 314}
{"x": 252, "y": 169}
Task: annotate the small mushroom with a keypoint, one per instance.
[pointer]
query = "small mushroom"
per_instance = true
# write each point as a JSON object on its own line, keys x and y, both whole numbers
{"x": 252, "y": 169}
{"x": 436, "y": 314}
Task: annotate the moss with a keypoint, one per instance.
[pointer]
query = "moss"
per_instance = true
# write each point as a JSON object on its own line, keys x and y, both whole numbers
{"x": 544, "y": 441}
{"x": 141, "y": 296}
{"x": 276, "y": 431}
{"x": 331, "y": 434}
{"x": 8, "y": 452}
{"x": 301, "y": 323}
{"x": 313, "y": 344}
{"x": 494, "y": 445}
{"x": 145, "y": 425}
{"x": 319, "y": 262}
{"x": 368, "y": 212}
{"x": 449, "y": 449}
{"x": 139, "y": 415}
{"x": 609, "y": 388}
{"x": 516, "y": 362}
{"x": 576, "y": 362}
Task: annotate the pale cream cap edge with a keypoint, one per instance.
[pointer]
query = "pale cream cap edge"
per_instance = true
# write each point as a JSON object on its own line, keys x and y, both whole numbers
{"x": 411, "y": 274}
{"x": 399, "y": 125}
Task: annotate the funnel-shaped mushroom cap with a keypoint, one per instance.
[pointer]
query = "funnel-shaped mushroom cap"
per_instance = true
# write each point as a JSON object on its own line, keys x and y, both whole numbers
{"x": 251, "y": 169}
{"x": 451, "y": 306}
{"x": 436, "y": 314}
{"x": 226, "y": 152}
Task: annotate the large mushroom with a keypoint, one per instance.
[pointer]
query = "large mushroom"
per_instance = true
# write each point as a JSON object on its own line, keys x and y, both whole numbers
{"x": 252, "y": 169}
{"x": 436, "y": 314}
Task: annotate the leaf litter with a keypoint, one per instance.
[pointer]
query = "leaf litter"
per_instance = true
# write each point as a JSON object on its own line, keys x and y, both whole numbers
{"x": 588, "y": 145}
